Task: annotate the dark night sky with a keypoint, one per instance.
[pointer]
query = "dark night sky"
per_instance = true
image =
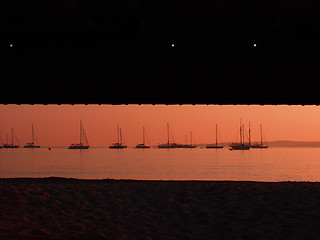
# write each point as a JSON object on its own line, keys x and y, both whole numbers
{"x": 95, "y": 51}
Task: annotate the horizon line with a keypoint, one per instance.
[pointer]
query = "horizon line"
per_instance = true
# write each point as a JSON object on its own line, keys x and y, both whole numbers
{"x": 198, "y": 144}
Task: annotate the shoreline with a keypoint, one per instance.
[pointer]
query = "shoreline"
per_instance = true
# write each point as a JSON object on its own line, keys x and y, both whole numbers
{"x": 69, "y": 208}
{"x": 53, "y": 178}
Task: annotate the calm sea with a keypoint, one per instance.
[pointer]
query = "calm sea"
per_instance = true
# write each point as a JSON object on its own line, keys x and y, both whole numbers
{"x": 273, "y": 164}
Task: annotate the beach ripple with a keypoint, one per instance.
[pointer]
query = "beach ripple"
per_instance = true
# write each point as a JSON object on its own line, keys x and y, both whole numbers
{"x": 55, "y": 208}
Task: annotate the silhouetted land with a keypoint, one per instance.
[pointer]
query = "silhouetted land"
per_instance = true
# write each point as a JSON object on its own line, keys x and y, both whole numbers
{"x": 57, "y": 208}
{"x": 294, "y": 144}
{"x": 110, "y": 51}
{"x": 285, "y": 143}
{"x": 281, "y": 143}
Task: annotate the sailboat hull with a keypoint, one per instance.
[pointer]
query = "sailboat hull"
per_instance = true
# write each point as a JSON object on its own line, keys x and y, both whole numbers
{"x": 30, "y": 146}
{"x": 189, "y": 146}
{"x": 214, "y": 146}
{"x": 240, "y": 147}
{"x": 166, "y": 146}
{"x": 142, "y": 146}
{"x": 117, "y": 147}
{"x": 10, "y": 146}
{"x": 78, "y": 147}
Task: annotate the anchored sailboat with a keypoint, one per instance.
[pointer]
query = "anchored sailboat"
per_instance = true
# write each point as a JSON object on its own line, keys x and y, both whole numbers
{"x": 241, "y": 145}
{"x": 84, "y": 144}
{"x": 169, "y": 144}
{"x": 31, "y": 145}
{"x": 215, "y": 145}
{"x": 260, "y": 145}
{"x": 12, "y": 145}
{"x": 118, "y": 144}
{"x": 189, "y": 145}
{"x": 142, "y": 145}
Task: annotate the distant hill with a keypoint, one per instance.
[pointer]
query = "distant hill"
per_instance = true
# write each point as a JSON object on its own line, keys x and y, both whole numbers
{"x": 281, "y": 143}
{"x": 294, "y": 144}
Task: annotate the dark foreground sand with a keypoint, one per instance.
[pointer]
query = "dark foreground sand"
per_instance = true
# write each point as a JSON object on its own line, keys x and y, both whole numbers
{"x": 56, "y": 208}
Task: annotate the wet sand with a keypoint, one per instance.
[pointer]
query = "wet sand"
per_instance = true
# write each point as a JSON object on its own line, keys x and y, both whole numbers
{"x": 58, "y": 208}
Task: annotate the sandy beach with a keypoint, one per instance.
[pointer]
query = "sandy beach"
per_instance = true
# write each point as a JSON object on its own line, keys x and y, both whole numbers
{"x": 58, "y": 208}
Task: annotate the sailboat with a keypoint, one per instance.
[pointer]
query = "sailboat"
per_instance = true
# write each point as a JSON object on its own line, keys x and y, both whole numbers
{"x": 142, "y": 145}
{"x": 118, "y": 144}
{"x": 84, "y": 144}
{"x": 12, "y": 143}
{"x": 215, "y": 145}
{"x": 260, "y": 145}
{"x": 189, "y": 145}
{"x": 241, "y": 145}
{"x": 168, "y": 144}
{"x": 31, "y": 145}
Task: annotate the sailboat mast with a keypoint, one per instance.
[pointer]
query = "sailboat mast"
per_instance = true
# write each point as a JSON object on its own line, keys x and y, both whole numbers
{"x": 216, "y": 135}
{"x": 80, "y": 132}
{"x": 261, "y": 133}
{"x": 240, "y": 132}
{"x": 243, "y": 133}
{"x": 120, "y": 137}
{"x": 168, "y": 132}
{"x": 249, "y": 134}
{"x": 32, "y": 135}
{"x": 143, "y": 135}
{"x": 191, "y": 138}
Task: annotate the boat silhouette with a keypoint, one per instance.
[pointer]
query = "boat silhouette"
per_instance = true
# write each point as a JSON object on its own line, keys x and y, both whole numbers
{"x": 84, "y": 144}
{"x": 169, "y": 144}
{"x": 142, "y": 145}
{"x": 31, "y": 145}
{"x": 11, "y": 145}
{"x": 189, "y": 145}
{"x": 260, "y": 145}
{"x": 216, "y": 144}
{"x": 119, "y": 144}
{"x": 241, "y": 145}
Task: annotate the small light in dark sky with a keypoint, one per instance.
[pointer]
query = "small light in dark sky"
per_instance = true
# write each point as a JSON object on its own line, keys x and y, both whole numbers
{"x": 172, "y": 45}
{"x": 254, "y": 45}
{"x": 11, "y": 45}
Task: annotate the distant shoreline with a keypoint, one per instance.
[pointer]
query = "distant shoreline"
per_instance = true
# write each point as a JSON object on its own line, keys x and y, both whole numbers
{"x": 285, "y": 143}
{"x": 54, "y": 179}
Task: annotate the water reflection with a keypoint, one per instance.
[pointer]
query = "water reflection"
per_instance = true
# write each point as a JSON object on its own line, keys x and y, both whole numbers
{"x": 274, "y": 164}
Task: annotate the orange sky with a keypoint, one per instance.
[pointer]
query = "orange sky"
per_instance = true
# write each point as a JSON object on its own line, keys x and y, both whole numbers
{"x": 59, "y": 125}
